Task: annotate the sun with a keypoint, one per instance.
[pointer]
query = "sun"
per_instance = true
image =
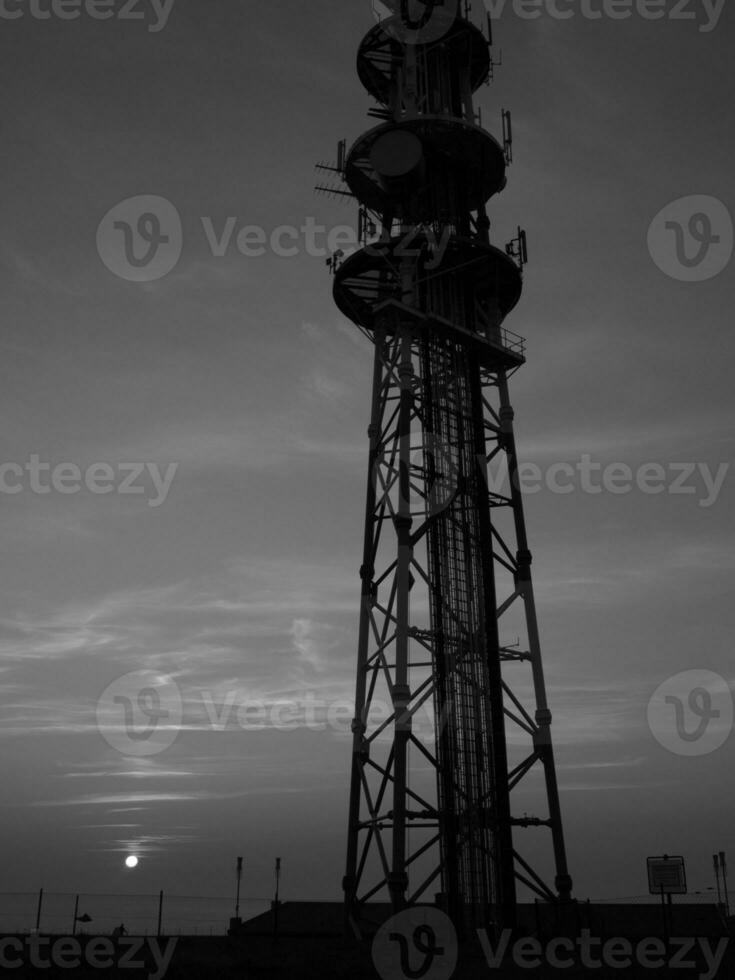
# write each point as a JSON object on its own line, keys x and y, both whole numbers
{"x": 131, "y": 862}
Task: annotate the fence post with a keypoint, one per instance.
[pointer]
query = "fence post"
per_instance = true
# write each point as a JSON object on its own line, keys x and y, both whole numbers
{"x": 38, "y": 910}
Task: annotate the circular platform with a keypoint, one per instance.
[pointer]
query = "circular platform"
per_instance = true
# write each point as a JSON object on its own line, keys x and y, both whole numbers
{"x": 381, "y": 49}
{"x": 483, "y": 275}
{"x": 462, "y": 166}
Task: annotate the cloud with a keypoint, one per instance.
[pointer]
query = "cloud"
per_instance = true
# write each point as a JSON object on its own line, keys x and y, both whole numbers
{"x": 201, "y": 796}
{"x": 313, "y": 640}
{"x": 32, "y": 272}
{"x": 249, "y": 630}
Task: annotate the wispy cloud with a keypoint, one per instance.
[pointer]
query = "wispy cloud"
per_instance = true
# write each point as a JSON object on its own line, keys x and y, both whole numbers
{"x": 251, "y": 630}
{"x": 201, "y": 796}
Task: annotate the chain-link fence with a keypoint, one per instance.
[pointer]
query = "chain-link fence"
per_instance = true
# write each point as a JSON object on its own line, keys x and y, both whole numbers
{"x": 54, "y": 913}
{"x": 707, "y": 896}
{"x": 190, "y": 915}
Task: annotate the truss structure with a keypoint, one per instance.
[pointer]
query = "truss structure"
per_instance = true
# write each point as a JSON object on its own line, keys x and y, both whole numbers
{"x": 451, "y": 736}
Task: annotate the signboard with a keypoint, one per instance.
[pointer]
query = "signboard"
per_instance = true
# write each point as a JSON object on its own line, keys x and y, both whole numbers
{"x": 667, "y": 875}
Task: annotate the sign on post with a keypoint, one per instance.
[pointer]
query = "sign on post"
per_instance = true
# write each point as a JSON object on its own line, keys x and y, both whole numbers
{"x": 667, "y": 875}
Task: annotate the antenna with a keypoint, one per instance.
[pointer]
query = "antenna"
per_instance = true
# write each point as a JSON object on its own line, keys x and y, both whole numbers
{"x": 333, "y": 263}
{"x": 518, "y": 248}
{"x": 332, "y": 191}
{"x": 338, "y": 168}
{"x": 366, "y": 227}
{"x": 377, "y": 113}
{"x": 494, "y": 62}
{"x": 341, "y": 159}
{"x": 507, "y": 136}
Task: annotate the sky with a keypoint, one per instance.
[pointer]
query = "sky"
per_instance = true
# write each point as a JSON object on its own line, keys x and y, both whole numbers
{"x": 233, "y": 398}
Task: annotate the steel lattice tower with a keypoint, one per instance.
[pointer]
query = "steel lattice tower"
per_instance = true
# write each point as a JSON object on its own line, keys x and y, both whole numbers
{"x": 446, "y": 572}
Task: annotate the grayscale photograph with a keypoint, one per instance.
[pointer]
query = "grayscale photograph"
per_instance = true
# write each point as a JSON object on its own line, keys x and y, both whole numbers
{"x": 367, "y": 504}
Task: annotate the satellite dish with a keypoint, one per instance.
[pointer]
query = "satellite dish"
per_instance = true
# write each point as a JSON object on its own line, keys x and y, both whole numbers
{"x": 396, "y": 153}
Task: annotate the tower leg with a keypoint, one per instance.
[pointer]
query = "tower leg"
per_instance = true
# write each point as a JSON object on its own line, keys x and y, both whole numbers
{"x": 542, "y": 735}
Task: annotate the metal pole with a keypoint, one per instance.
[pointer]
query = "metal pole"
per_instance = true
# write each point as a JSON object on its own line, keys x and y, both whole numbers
{"x": 76, "y": 910}
{"x": 275, "y": 904}
{"x": 666, "y": 924}
{"x": 38, "y": 910}
{"x": 237, "y": 898}
{"x": 160, "y": 911}
{"x": 716, "y": 863}
{"x": 723, "y": 865}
